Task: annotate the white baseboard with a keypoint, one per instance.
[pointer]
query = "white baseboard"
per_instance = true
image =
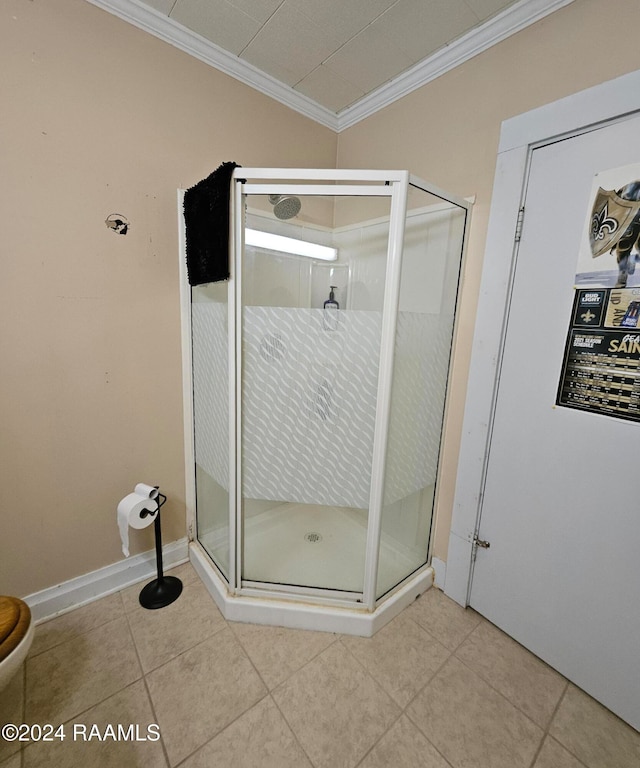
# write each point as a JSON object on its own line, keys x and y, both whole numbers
{"x": 440, "y": 572}
{"x": 71, "y": 594}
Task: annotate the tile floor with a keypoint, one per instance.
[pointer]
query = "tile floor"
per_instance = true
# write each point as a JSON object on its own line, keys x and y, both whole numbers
{"x": 438, "y": 687}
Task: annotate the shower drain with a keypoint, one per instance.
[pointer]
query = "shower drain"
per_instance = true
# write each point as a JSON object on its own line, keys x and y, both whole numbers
{"x": 313, "y": 537}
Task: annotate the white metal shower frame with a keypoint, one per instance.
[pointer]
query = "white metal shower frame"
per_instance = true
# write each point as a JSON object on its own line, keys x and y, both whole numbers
{"x": 290, "y": 181}
{"x": 396, "y": 189}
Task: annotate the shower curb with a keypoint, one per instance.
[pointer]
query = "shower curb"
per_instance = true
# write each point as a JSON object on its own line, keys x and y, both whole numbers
{"x": 273, "y": 611}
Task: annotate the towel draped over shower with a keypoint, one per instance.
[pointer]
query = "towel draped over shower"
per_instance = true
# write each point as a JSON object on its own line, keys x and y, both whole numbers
{"x": 206, "y": 216}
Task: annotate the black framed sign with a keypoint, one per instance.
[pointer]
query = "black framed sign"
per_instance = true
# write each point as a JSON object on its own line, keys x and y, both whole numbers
{"x": 601, "y": 366}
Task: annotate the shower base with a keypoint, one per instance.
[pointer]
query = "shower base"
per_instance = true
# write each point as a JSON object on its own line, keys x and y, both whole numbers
{"x": 317, "y": 547}
{"x": 314, "y": 546}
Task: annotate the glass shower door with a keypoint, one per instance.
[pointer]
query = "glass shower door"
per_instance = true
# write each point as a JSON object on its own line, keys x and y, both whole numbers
{"x": 310, "y": 348}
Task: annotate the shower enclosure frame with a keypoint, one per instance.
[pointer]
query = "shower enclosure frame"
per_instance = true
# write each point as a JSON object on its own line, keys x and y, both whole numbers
{"x": 288, "y": 605}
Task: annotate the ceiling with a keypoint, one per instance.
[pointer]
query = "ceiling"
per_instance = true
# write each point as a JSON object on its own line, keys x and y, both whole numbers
{"x": 334, "y": 60}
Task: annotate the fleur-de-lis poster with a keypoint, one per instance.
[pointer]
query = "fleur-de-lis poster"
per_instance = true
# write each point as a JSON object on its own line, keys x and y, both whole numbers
{"x": 602, "y": 354}
{"x": 610, "y": 246}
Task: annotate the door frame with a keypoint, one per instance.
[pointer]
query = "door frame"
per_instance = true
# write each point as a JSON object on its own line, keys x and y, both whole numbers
{"x": 584, "y": 111}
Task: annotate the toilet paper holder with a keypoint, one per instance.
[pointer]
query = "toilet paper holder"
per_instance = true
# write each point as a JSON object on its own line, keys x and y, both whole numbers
{"x": 163, "y": 590}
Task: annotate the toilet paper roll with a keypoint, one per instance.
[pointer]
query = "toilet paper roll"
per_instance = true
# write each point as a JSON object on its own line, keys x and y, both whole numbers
{"x": 133, "y": 511}
{"x": 150, "y": 491}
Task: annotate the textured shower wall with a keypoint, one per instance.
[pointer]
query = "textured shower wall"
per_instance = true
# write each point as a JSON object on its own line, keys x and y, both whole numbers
{"x": 309, "y": 402}
{"x": 309, "y": 388}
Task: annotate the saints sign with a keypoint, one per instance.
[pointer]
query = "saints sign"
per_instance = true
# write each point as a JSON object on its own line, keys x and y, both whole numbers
{"x": 615, "y": 227}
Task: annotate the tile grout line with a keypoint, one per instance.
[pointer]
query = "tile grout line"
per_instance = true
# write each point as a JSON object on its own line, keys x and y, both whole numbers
{"x": 282, "y": 682}
{"x": 144, "y": 682}
{"x": 436, "y": 672}
{"x": 453, "y": 654}
{"x": 293, "y": 733}
{"x": 226, "y": 625}
{"x": 376, "y": 683}
{"x": 173, "y": 658}
{"x": 244, "y": 650}
{"x": 536, "y": 754}
{"x": 569, "y": 752}
{"x": 557, "y": 706}
{"x": 215, "y": 735}
{"x": 80, "y": 714}
{"x": 336, "y": 640}
{"x": 469, "y": 633}
{"x": 378, "y": 740}
{"x": 546, "y": 730}
{"x": 410, "y": 702}
{"x": 403, "y": 710}
{"x": 182, "y": 653}
{"x": 509, "y": 702}
{"x": 96, "y": 703}
{"x": 366, "y": 671}
{"x": 167, "y": 661}
{"x": 76, "y": 634}
{"x": 506, "y": 698}
{"x": 464, "y": 639}
{"x": 293, "y": 672}
{"x": 553, "y": 717}
{"x": 222, "y": 730}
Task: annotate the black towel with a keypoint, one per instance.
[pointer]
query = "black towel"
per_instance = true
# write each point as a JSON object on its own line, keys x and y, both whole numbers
{"x": 206, "y": 216}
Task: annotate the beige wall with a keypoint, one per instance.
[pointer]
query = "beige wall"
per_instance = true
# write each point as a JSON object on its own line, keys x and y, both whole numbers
{"x": 102, "y": 119}
{"x": 447, "y": 132}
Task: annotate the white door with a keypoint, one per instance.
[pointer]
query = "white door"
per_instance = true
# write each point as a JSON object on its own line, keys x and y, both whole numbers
{"x": 561, "y": 505}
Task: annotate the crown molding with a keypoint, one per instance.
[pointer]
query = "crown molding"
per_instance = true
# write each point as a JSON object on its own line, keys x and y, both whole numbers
{"x": 162, "y": 27}
{"x": 510, "y": 21}
{"x": 498, "y": 28}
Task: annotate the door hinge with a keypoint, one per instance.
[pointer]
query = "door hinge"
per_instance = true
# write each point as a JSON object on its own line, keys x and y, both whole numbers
{"x": 480, "y": 543}
{"x": 518, "y": 236}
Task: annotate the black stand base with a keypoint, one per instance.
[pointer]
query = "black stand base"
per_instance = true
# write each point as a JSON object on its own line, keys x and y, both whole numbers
{"x": 160, "y": 592}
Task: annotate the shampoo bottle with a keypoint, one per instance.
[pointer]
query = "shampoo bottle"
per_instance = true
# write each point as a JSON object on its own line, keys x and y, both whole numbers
{"x": 331, "y": 307}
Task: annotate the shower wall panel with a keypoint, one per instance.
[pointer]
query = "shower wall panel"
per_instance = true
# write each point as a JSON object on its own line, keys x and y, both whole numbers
{"x": 309, "y": 401}
{"x": 314, "y": 388}
{"x": 309, "y": 404}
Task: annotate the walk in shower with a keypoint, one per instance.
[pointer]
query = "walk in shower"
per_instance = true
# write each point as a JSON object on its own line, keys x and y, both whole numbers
{"x": 315, "y": 382}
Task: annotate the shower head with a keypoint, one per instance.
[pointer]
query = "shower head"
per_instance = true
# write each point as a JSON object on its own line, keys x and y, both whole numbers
{"x": 285, "y": 206}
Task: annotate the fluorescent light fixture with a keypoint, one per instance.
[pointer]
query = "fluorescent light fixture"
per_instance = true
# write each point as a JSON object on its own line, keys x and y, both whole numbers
{"x": 289, "y": 245}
